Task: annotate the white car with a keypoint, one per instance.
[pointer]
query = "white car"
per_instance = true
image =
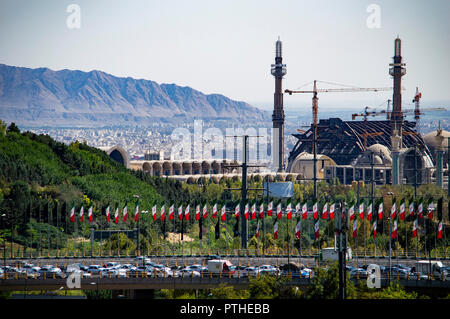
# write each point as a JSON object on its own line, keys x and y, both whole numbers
{"x": 190, "y": 273}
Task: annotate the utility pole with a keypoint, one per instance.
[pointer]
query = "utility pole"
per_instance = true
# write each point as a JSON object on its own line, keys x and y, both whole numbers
{"x": 340, "y": 228}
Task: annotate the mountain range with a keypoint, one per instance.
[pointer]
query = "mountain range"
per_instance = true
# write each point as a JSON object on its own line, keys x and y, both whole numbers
{"x": 43, "y": 97}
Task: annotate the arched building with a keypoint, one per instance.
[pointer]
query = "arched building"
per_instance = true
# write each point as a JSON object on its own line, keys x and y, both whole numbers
{"x": 118, "y": 154}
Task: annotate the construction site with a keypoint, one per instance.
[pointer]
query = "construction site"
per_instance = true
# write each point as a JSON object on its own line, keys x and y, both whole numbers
{"x": 381, "y": 151}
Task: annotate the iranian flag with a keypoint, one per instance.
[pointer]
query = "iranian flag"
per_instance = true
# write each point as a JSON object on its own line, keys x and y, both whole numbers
{"x": 154, "y": 212}
{"x": 420, "y": 208}
{"x": 298, "y": 207}
{"x": 325, "y": 211}
{"x": 297, "y": 229}
{"x": 275, "y": 229}
{"x": 205, "y": 211}
{"x": 305, "y": 210}
{"x": 163, "y": 212}
{"x": 261, "y": 211}
{"x": 180, "y": 212}
{"x": 237, "y": 211}
{"x": 394, "y": 209}
{"x": 223, "y": 213}
{"x": 246, "y": 211}
{"x": 116, "y": 215}
{"x": 355, "y": 226}
{"x": 253, "y": 210}
{"x": 90, "y": 214}
{"x": 289, "y": 209}
{"x": 380, "y": 210}
{"x": 411, "y": 207}
{"x": 369, "y": 213}
{"x": 351, "y": 212}
{"x": 430, "y": 208}
{"x": 332, "y": 208}
{"x": 270, "y": 209}
{"x": 374, "y": 227}
{"x": 81, "y": 214}
{"x": 257, "y": 230}
{"x": 394, "y": 229}
{"x": 440, "y": 227}
{"x": 186, "y": 212}
{"x": 197, "y": 212}
{"x": 107, "y": 214}
{"x": 361, "y": 210}
{"x": 279, "y": 210}
{"x": 72, "y": 214}
{"x": 214, "y": 215}
{"x": 125, "y": 213}
{"x": 316, "y": 229}
{"x": 136, "y": 213}
{"x": 315, "y": 210}
{"x": 402, "y": 209}
{"x": 415, "y": 227}
{"x": 171, "y": 211}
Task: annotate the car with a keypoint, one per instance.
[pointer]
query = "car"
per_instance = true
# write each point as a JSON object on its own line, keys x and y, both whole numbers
{"x": 268, "y": 269}
{"x": 399, "y": 272}
{"x": 127, "y": 267}
{"x": 81, "y": 273}
{"x": 358, "y": 273}
{"x": 190, "y": 273}
{"x": 111, "y": 264}
{"x": 97, "y": 269}
{"x": 142, "y": 260}
{"x": 250, "y": 271}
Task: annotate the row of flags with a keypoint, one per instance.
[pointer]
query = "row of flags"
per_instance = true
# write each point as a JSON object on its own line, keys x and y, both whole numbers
{"x": 300, "y": 210}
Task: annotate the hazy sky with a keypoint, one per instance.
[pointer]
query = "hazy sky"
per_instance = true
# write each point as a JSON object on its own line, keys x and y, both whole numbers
{"x": 227, "y": 47}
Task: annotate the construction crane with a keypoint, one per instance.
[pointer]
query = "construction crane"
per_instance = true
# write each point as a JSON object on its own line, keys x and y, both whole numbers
{"x": 315, "y": 108}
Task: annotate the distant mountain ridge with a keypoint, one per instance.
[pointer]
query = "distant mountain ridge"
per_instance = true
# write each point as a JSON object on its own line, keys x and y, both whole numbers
{"x": 45, "y": 97}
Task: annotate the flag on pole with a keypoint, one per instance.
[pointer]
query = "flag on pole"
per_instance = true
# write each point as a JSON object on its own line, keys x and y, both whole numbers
{"x": 415, "y": 227}
{"x": 305, "y": 210}
{"x": 325, "y": 211}
{"x": 355, "y": 226}
{"x": 270, "y": 209}
{"x": 246, "y": 210}
{"x": 253, "y": 210}
{"x": 394, "y": 229}
{"x": 297, "y": 229}
{"x": 369, "y": 213}
{"x": 72, "y": 214}
{"x": 430, "y": 208}
{"x": 332, "y": 208}
{"x": 136, "y": 212}
{"x": 261, "y": 211}
{"x": 440, "y": 227}
{"x": 351, "y": 211}
{"x": 214, "y": 215}
{"x": 237, "y": 211}
{"x": 257, "y": 230}
{"x": 275, "y": 229}
{"x": 197, "y": 212}
{"x": 186, "y": 212}
{"x": 316, "y": 229}
{"x": 402, "y": 209}
{"x": 171, "y": 211}
{"x": 361, "y": 210}
{"x": 374, "y": 228}
{"x": 116, "y": 215}
{"x": 180, "y": 212}
{"x": 289, "y": 209}
{"x": 90, "y": 214}
{"x": 163, "y": 212}
{"x": 107, "y": 214}
{"x": 125, "y": 212}
{"x": 420, "y": 208}
{"x": 380, "y": 209}
{"x": 279, "y": 210}
{"x": 411, "y": 207}
{"x": 81, "y": 214}
{"x": 154, "y": 212}
{"x": 298, "y": 207}
{"x": 217, "y": 228}
{"x": 223, "y": 212}
{"x": 394, "y": 209}
{"x": 205, "y": 211}
{"x": 315, "y": 210}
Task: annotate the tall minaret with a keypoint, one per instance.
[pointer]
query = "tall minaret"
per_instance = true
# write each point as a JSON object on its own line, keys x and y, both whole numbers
{"x": 278, "y": 70}
{"x": 397, "y": 70}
